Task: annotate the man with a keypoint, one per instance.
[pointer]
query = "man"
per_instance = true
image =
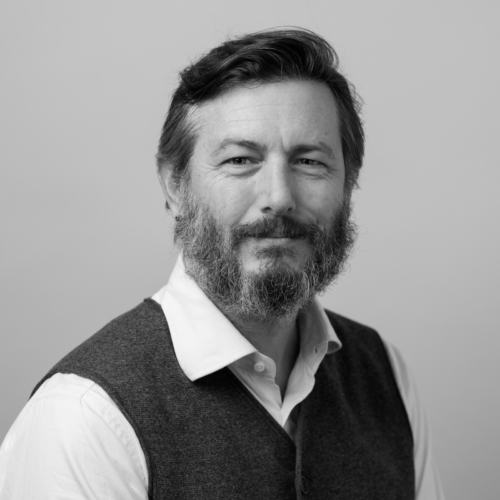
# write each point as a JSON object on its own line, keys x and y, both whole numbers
{"x": 233, "y": 381}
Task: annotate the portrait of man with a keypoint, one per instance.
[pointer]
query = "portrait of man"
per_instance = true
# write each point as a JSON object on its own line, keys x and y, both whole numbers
{"x": 233, "y": 381}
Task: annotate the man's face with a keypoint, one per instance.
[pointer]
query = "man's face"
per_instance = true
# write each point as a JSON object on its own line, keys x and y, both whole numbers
{"x": 265, "y": 202}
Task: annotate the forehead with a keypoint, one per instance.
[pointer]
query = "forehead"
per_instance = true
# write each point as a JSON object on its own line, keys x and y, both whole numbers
{"x": 281, "y": 113}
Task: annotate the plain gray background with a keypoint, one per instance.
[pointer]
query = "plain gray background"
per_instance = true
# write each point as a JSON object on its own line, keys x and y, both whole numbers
{"x": 84, "y": 89}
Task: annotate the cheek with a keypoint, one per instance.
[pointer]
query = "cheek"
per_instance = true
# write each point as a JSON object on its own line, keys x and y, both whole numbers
{"x": 322, "y": 202}
{"x": 228, "y": 200}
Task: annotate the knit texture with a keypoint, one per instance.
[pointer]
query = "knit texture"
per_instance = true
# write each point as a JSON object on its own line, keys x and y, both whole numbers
{"x": 211, "y": 439}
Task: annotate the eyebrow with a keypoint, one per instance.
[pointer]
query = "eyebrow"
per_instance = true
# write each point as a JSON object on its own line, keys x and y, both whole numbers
{"x": 242, "y": 143}
{"x": 320, "y": 146}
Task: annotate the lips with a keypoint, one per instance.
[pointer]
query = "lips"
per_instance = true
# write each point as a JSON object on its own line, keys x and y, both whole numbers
{"x": 274, "y": 228}
{"x": 276, "y": 235}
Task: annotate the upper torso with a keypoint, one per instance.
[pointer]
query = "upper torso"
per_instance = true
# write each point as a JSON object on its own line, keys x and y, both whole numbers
{"x": 84, "y": 402}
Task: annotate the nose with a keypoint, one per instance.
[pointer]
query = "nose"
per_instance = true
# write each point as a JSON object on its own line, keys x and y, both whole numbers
{"x": 277, "y": 189}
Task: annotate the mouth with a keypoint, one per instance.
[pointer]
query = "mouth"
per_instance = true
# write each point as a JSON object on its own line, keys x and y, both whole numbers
{"x": 283, "y": 230}
{"x": 276, "y": 241}
{"x": 280, "y": 235}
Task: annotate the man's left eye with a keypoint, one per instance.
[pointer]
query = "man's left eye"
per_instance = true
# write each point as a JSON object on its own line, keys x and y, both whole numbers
{"x": 308, "y": 161}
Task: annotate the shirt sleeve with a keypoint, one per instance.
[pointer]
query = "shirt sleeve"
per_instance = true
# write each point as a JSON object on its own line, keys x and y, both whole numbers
{"x": 72, "y": 442}
{"x": 427, "y": 483}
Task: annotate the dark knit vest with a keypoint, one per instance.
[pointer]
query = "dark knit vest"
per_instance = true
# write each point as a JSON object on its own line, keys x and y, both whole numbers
{"x": 211, "y": 439}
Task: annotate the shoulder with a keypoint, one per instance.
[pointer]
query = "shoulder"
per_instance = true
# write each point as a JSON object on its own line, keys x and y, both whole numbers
{"x": 130, "y": 326}
{"x": 70, "y": 428}
{"x": 138, "y": 338}
{"x": 366, "y": 359}
{"x": 69, "y": 403}
{"x": 356, "y": 338}
{"x": 135, "y": 327}
{"x": 346, "y": 326}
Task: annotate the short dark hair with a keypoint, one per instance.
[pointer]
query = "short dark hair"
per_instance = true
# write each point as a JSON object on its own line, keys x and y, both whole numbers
{"x": 266, "y": 56}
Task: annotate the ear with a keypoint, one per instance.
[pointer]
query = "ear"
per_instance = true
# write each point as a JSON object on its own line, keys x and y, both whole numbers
{"x": 170, "y": 189}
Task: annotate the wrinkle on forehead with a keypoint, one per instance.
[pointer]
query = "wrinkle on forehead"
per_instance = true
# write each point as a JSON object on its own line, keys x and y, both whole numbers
{"x": 263, "y": 112}
{"x": 235, "y": 95}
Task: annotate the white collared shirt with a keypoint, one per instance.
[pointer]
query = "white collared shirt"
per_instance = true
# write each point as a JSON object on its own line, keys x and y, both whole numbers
{"x": 71, "y": 441}
{"x": 217, "y": 344}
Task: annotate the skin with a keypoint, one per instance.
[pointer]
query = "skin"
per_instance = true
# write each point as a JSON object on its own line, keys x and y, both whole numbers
{"x": 268, "y": 150}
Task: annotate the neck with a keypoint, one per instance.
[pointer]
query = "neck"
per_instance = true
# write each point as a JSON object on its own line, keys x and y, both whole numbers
{"x": 276, "y": 338}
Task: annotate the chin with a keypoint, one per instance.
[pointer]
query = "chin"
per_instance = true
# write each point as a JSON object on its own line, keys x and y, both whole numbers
{"x": 278, "y": 259}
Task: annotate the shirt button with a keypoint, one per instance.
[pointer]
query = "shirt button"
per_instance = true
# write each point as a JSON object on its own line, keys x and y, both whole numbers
{"x": 304, "y": 486}
{"x": 259, "y": 366}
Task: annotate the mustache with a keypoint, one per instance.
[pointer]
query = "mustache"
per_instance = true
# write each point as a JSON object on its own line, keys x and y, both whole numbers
{"x": 275, "y": 227}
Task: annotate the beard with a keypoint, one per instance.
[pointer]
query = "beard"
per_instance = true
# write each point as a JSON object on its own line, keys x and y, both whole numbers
{"x": 277, "y": 289}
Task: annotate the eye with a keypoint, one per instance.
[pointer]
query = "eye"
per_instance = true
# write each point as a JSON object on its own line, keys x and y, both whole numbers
{"x": 239, "y": 160}
{"x": 308, "y": 161}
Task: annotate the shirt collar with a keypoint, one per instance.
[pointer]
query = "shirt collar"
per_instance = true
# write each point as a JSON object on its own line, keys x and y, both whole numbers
{"x": 205, "y": 340}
